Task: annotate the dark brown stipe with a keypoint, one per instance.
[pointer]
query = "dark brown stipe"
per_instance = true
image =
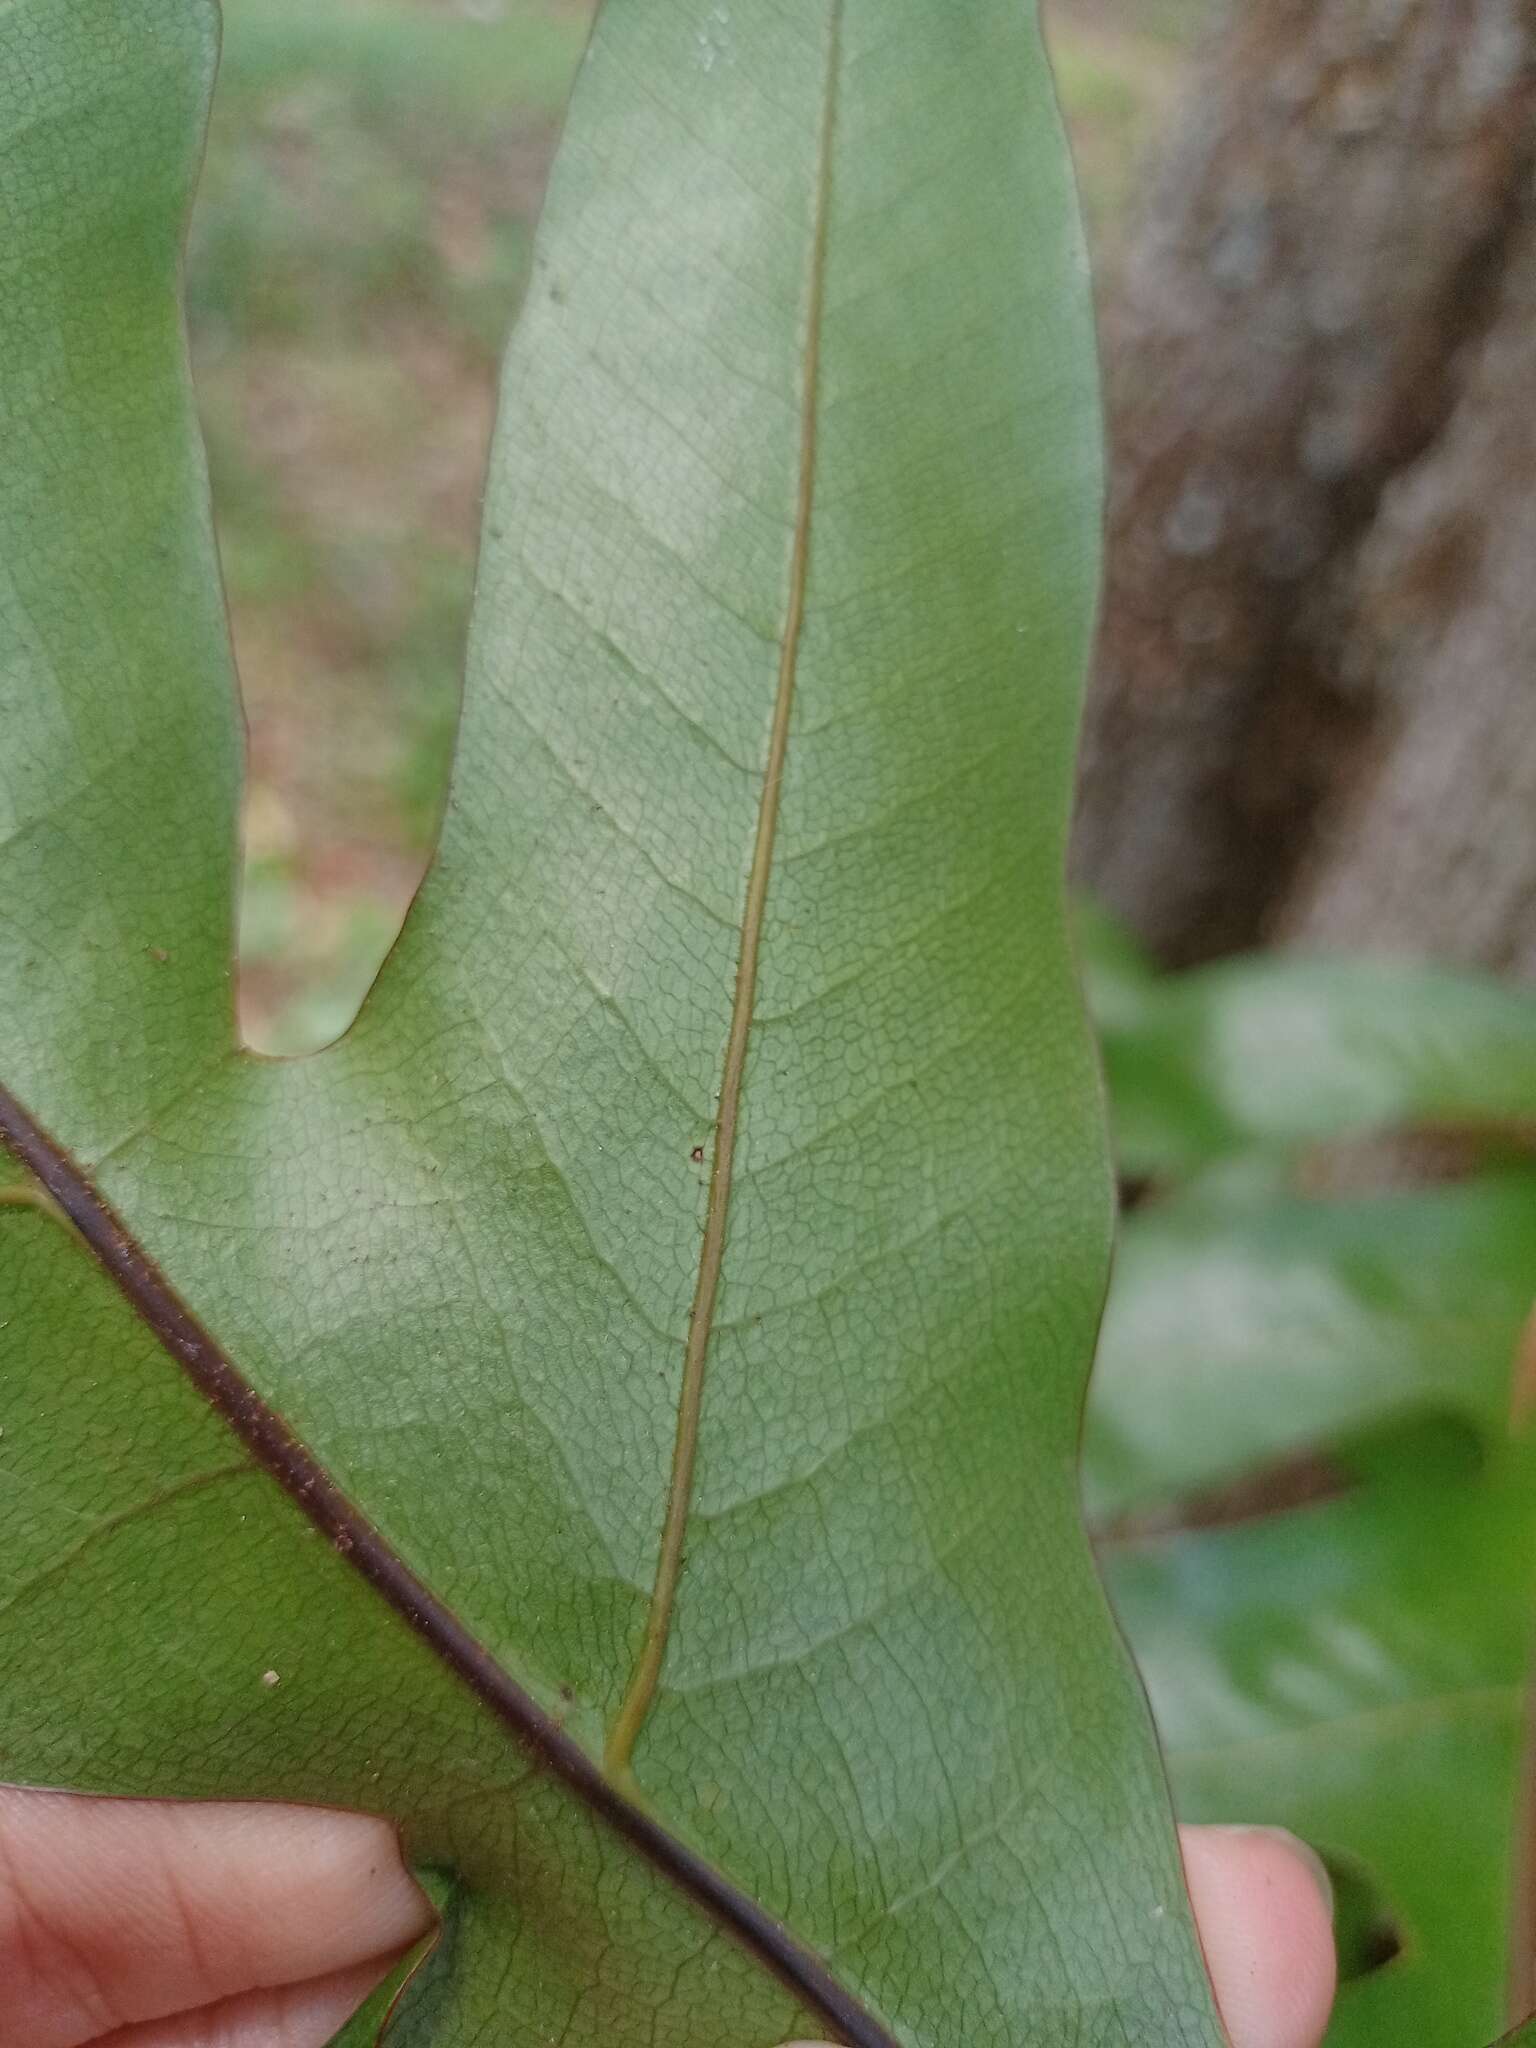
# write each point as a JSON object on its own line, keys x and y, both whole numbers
{"x": 296, "y": 1469}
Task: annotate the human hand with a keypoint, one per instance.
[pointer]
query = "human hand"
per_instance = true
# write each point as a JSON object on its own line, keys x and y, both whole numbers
{"x": 130, "y": 1925}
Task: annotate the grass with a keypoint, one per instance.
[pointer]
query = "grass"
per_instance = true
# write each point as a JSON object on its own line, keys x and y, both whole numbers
{"x": 374, "y": 173}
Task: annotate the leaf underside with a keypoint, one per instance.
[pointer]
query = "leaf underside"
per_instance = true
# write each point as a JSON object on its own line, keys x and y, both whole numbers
{"x": 355, "y": 1445}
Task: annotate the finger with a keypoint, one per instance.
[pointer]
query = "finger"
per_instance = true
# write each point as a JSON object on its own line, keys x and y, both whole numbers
{"x": 1266, "y": 1924}
{"x": 296, "y": 2016}
{"x": 114, "y": 1912}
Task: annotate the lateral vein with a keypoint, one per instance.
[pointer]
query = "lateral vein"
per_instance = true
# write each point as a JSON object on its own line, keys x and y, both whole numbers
{"x": 645, "y": 1677}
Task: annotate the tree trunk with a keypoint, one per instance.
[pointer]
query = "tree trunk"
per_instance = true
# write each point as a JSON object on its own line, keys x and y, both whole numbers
{"x": 1315, "y": 714}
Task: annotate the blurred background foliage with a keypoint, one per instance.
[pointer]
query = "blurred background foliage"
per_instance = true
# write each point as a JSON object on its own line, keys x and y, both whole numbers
{"x": 1304, "y": 1459}
{"x": 1308, "y": 1458}
{"x": 374, "y": 173}
{"x": 361, "y": 239}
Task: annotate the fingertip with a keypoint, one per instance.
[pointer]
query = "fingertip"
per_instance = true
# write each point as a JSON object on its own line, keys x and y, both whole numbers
{"x": 1266, "y": 1925}
{"x": 117, "y": 1913}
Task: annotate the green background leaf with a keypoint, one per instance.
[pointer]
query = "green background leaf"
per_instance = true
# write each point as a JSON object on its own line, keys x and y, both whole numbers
{"x": 1248, "y": 1325}
{"x": 792, "y": 519}
{"x": 1319, "y": 1387}
{"x": 1358, "y": 1672}
{"x": 1280, "y": 1053}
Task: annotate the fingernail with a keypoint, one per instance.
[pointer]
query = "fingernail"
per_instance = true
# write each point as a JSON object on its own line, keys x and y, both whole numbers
{"x": 1298, "y": 1848}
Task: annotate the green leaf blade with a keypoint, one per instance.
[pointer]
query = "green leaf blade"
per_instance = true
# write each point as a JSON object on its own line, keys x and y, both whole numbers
{"x": 799, "y": 448}
{"x": 119, "y": 779}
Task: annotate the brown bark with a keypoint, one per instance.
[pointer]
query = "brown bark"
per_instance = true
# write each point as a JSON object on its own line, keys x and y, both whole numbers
{"x": 1322, "y": 384}
{"x": 1433, "y": 848}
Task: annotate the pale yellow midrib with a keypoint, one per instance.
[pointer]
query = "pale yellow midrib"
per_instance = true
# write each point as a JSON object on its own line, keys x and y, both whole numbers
{"x": 641, "y": 1691}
